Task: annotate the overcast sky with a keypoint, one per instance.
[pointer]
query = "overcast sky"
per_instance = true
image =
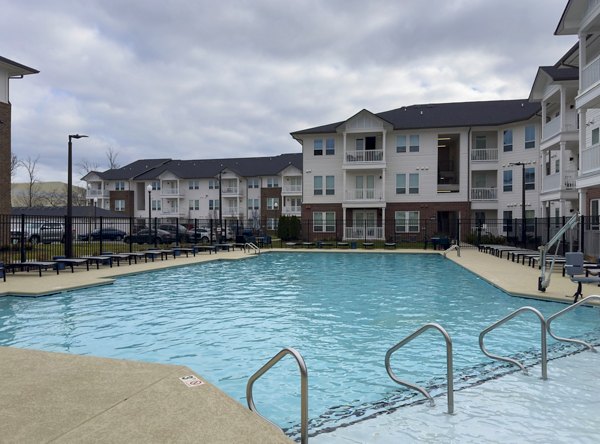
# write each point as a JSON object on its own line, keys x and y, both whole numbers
{"x": 203, "y": 79}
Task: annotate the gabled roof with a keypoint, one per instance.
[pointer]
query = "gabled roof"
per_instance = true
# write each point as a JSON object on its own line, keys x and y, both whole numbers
{"x": 14, "y": 68}
{"x": 571, "y": 17}
{"x": 448, "y": 115}
{"x": 547, "y": 75}
{"x": 151, "y": 169}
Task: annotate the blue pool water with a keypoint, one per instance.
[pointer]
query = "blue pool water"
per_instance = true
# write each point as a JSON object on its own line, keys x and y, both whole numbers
{"x": 341, "y": 311}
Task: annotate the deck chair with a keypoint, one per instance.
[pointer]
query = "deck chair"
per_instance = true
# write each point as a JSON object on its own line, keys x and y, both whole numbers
{"x": 3, "y": 271}
{"x": 577, "y": 273}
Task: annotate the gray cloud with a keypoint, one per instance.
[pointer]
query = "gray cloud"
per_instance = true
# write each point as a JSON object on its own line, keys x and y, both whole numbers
{"x": 208, "y": 79}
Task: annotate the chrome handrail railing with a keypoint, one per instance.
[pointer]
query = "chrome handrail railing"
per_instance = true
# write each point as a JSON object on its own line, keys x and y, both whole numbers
{"x": 560, "y": 313}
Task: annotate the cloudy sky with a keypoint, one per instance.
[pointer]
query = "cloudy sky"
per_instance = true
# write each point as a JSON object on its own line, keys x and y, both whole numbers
{"x": 203, "y": 79}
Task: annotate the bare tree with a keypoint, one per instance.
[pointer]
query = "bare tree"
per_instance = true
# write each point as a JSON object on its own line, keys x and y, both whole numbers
{"x": 85, "y": 166}
{"x": 111, "y": 156}
{"x": 30, "y": 166}
{"x": 14, "y": 165}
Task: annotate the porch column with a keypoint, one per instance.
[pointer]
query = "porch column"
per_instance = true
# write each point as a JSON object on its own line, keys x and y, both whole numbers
{"x": 383, "y": 223}
{"x": 562, "y": 164}
{"x": 384, "y": 144}
{"x": 582, "y": 60}
{"x": 563, "y": 112}
{"x": 582, "y": 128}
{"x": 344, "y": 223}
{"x": 582, "y": 202}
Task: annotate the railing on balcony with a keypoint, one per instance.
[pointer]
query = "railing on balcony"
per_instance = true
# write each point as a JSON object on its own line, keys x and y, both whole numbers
{"x": 230, "y": 190}
{"x": 368, "y": 233}
{"x": 484, "y": 155}
{"x": 296, "y": 189}
{"x": 364, "y": 194}
{"x": 96, "y": 193}
{"x": 169, "y": 192}
{"x": 293, "y": 210}
{"x": 364, "y": 156}
{"x": 484, "y": 193}
{"x": 552, "y": 181}
{"x": 590, "y": 158}
{"x": 590, "y": 74}
{"x": 554, "y": 127}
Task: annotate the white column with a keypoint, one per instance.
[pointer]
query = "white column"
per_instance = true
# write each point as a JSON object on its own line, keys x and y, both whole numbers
{"x": 582, "y": 203}
{"x": 561, "y": 159}
{"x": 383, "y": 223}
{"x": 582, "y": 58}
{"x": 384, "y": 144}
{"x": 563, "y": 111}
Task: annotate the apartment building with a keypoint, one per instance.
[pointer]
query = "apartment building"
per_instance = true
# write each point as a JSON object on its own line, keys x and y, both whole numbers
{"x": 382, "y": 174}
{"x": 246, "y": 189}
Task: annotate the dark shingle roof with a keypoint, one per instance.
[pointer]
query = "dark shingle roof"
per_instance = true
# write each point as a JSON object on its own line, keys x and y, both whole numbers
{"x": 448, "y": 115}
{"x": 558, "y": 74}
{"x": 62, "y": 211}
{"x": 150, "y": 169}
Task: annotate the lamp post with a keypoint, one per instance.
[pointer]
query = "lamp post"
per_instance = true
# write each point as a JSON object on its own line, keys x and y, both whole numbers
{"x": 149, "y": 189}
{"x": 220, "y": 231}
{"x": 69, "y": 222}
{"x": 95, "y": 206}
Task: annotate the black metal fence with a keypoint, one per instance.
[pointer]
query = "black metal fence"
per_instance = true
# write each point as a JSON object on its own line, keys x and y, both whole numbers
{"x": 40, "y": 238}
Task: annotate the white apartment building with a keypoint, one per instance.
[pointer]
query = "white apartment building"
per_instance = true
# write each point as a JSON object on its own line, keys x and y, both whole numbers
{"x": 375, "y": 176}
{"x": 245, "y": 189}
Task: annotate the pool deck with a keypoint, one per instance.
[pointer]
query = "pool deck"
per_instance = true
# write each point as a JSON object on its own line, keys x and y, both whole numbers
{"x": 68, "y": 398}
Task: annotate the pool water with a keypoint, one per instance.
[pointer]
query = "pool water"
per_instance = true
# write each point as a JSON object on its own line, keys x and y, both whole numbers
{"x": 340, "y": 311}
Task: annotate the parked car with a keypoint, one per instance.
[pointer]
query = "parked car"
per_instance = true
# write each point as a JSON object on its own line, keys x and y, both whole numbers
{"x": 105, "y": 233}
{"x": 200, "y": 234}
{"x": 145, "y": 236}
{"x": 40, "y": 232}
{"x": 174, "y": 229}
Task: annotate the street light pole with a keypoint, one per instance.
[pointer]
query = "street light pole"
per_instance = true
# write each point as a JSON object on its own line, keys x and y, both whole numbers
{"x": 220, "y": 207}
{"x": 95, "y": 206}
{"x": 149, "y": 189}
{"x": 69, "y": 221}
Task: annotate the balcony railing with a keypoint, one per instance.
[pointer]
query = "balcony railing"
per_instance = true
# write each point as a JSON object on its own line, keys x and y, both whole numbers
{"x": 553, "y": 127}
{"x": 292, "y": 210}
{"x": 484, "y": 193}
{"x": 368, "y": 233}
{"x": 96, "y": 193}
{"x": 590, "y": 74}
{"x": 364, "y": 194}
{"x": 292, "y": 189}
{"x": 364, "y": 156}
{"x": 230, "y": 190}
{"x": 484, "y": 155}
{"x": 590, "y": 158}
{"x": 169, "y": 192}
{"x": 552, "y": 181}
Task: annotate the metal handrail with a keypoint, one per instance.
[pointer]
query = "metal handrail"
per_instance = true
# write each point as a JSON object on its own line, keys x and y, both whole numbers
{"x": 303, "y": 388}
{"x": 252, "y": 246}
{"x": 560, "y": 313}
{"x": 453, "y": 247}
{"x": 514, "y": 361}
{"x": 449, "y": 370}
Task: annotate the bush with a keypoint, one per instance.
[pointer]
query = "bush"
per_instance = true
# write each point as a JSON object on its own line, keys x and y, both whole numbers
{"x": 289, "y": 228}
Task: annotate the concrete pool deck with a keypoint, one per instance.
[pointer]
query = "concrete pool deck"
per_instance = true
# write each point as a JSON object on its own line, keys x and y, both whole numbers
{"x": 67, "y": 398}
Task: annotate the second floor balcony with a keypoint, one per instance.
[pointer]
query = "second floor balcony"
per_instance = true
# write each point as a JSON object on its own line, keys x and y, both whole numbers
{"x": 483, "y": 194}
{"x": 364, "y": 194}
{"x": 230, "y": 191}
{"x": 96, "y": 193}
{"x": 559, "y": 124}
{"x": 552, "y": 182}
{"x": 292, "y": 189}
{"x": 292, "y": 210}
{"x": 170, "y": 191}
{"x": 590, "y": 74}
{"x": 364, "y": 156}
{"x": 590, "y": 158}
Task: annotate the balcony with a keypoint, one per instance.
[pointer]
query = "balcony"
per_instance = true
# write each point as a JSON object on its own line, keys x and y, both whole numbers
{"x": 554, "y": 127}
{"x": 364, "y": 156}
{"x": 169, "y": 192}
{"x": 590, "y": 74}
{"x": 292, "y": 210}
{"x": 552, "y": 181}
{"x": 484, "y": 155}
{"x": 364, "y": 194}
{"x": 363, "y": 233}
{"x": 292, "y": 189}
{"x": 230, "y": 191}
{"x": 91, "y": 194}
{"x": 590, "y": 158}
{"x": 480, "y": 194}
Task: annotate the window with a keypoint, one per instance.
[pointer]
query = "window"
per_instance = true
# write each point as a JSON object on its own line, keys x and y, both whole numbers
{"x": 595, "y": 136}
{"x": 330, "y": 185}
{"x": 480, "y": 218}
{"x": 413, "y": 183}
{"x": 360, "y": 144}
{"x": 508, "y": 180}
{"x": 414, "y": 144}
{"x": 508, "y": 140}
{"x": 594, "y": 214}
{"x": 156, "y": 185}
{"x": 318, "y": 186}
{"x": 318, "y": 147}
{"x": 324, "y": 222}
{"x": 272, "y": 223}
{"x": 480, "y": 142}
{"x": 213, "y": 204}
{"x": 120, "y": 186}
{"x": 530, "y": 178}
{"x": 253, "y": 204}
{"x": 330, "y": 147}
{"x": 272, "y": 182}
{"x": 400, "y": 183}
{"x": 272, "y": 203}
{"x": 213, "y": 184}
{"x": 156, "y": 205}
{"x": 529, "y": 137}
{"x": 194, "y": 205}
{"x": 529, "y": 221}
{"x": 507, "y": 221}
{"x": 194, "y": 185}
{"x": 119, "y": 205}
{"x": 400, "y": 144}
{"x": 557, "y": 166}
{"x": 253, "y": 182}
{"x": 413, "y": 141}
{"x": 407, "y": 221}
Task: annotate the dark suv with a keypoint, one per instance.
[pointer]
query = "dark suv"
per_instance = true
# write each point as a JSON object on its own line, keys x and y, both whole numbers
{"x": 176, "y": 231}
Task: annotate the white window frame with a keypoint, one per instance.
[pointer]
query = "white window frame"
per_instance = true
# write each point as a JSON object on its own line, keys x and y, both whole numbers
{"x": 194, "y": 204}
{"x": 318, "y": 185}
{"x": 407, "y": 221}
{"x": 194, "y": 185}
{"x": 120, "y": 205}
{"x": 324, "y": 222}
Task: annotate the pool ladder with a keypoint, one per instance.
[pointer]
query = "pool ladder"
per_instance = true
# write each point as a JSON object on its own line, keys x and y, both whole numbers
{"x": 252, "y": 247}
{"x": 449, "y": 368}
{"x": 303, "y": 389}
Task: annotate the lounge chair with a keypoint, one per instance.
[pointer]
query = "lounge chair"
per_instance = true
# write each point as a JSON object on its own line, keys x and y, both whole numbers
{"x": 577, "y": 273}
{"x": 3, "y": 271}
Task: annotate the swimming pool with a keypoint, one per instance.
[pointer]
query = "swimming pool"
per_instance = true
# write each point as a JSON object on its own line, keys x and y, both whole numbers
{"x": 341, "y": 311}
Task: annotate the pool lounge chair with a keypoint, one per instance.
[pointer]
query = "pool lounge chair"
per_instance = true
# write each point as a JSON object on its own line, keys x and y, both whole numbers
{"x": 577, "y": 273}
{"x": 3, "y": 271}
{"x": 28, "y": 265}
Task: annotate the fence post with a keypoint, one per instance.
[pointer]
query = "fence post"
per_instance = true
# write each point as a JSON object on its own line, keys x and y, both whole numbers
{"x": 22, "y": 239}
{"x": 101, "y": 240}
{"x": 582, "y": 231}
{"x": 155, "y": 231}
{"x": 131, "y": 224}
